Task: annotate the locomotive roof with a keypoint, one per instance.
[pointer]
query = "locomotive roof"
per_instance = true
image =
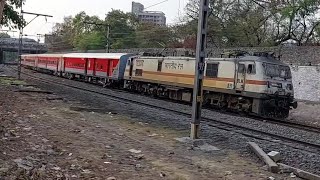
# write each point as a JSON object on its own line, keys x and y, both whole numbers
{"x": 95, "y": 55}
{"x": 250, "y": 58}
{"x": 244, "y": 58}
{"x": 262, "y": 59}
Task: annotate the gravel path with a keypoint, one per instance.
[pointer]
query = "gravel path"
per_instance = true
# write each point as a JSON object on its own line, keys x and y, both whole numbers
{"x": 223, "y": 139}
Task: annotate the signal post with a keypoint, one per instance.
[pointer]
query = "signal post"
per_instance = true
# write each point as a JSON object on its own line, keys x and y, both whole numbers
{"x": 199, "y": 69}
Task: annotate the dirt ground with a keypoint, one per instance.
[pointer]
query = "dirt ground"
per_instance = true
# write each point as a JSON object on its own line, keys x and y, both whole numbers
{"x": 45, "y": 137}
{"x": 307, "y": 112}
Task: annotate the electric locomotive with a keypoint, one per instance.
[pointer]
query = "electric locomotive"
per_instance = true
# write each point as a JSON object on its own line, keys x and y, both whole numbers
{"x": 256, "y": 84}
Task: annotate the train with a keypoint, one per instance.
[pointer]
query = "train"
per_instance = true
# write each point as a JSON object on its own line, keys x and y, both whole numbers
{"x": 257, "y": 84}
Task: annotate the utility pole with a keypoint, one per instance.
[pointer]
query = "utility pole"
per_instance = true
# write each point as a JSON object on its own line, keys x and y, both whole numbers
{"x": 199, "y": 69}
{"x": 108, "y": 39}
{"x": 107, "y": 26}
{"x": 21, "y": 33}
{"x": 38, "y": 37}
{"x": 20, "y": 42}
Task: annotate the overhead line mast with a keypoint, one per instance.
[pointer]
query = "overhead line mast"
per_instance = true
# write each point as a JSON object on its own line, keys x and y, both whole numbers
{"x": 199, "y": 69}
{"x": 21, "y": 33}
{"x": 107, "y": 36}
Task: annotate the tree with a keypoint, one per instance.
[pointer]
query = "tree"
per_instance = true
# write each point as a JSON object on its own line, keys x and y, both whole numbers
{"x": 259, "y": 22}
{"x": 62, "y": 33}
{"x": 155, "y": 36}
{"x": 82, "y": 35}
{"x": 91, "y": 40}
{"x": 2, "y": 4}
{"x": 9, "y": 15}
{"x": 297, "y": 20}
{"x": 85, "y": 35}
{"x": 234, "y": 23}
{"x": 4, "y": 35}
{"x": 79, "y": 33}
{"x": 122, "y": 25}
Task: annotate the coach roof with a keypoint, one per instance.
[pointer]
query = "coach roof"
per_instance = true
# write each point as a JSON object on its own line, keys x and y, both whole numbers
{"x": 95, "y": 55}
{"x": 42, "y": 55}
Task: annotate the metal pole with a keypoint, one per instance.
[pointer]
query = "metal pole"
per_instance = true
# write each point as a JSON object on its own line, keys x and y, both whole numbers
{"x": 21, "y": 34}
{"x": 20, "y": 43}
{"x": 199, "y": 69}
{"x": 108, "y": 39}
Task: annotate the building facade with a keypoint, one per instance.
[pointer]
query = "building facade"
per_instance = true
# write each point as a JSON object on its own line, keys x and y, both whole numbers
{"x": 155, "y": 17}
{"x": 137, "y": 8}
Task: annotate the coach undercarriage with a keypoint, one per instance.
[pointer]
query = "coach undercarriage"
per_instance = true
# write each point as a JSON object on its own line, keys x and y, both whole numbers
{"x": 272, "y": 107}
{"x": 105, "y": 82}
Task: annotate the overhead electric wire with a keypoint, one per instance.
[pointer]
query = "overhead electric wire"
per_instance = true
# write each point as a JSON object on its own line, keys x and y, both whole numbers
{"x": 156, "y": 4}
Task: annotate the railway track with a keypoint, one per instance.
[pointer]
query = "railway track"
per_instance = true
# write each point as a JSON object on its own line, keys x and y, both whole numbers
{"x": 227, "y": 126}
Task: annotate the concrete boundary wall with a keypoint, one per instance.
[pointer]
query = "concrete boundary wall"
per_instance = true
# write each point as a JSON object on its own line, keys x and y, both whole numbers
{"x": 306, "y": 82}
{"x": 297, "y": 55}
{"x": 304, "y": 62}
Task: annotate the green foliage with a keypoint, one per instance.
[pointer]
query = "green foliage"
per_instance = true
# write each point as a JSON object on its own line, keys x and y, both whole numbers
{"x": 91, "y": 40}
{"x": 150, "y": 35}
{"x": 122, "y": 29}
{"x": 230, "y": 24}
{"x": 259, "y": 22}
{"x": 86, "y": 32}
{"x": 4, "y": 35}
{"x": 11, "y": 17}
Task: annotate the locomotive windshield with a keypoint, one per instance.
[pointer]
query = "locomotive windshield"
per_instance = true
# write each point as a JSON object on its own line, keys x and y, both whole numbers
{"x": 274, "y": 70}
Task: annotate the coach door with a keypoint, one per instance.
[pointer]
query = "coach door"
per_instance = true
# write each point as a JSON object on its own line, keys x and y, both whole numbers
{"x": 241, "y": 76}
{"x": 94, "y": 67}
{"x": 109, "y": 67}
{"x": 86, "y": 66}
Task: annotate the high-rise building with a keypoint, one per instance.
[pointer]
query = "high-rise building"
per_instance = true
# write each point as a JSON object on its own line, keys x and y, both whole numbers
{"x": 155, "y": 17}
{"x": 137, "y": 8}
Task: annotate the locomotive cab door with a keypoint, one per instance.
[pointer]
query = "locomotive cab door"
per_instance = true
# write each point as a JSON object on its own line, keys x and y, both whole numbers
{"x": 241, "y": 76}
{"x": 131, "y": 67}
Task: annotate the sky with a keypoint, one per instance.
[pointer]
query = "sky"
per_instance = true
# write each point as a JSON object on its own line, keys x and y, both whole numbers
{"x": 61, "y": 8}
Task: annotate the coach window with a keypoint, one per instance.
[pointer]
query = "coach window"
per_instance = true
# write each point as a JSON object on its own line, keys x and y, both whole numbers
{"x": 159, "y": 66}
{"x": 251, "y": 69}
{"x": 212, "y": 70}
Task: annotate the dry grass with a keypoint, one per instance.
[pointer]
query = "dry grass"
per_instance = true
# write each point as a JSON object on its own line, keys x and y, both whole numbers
{"x": 10, "y": 81}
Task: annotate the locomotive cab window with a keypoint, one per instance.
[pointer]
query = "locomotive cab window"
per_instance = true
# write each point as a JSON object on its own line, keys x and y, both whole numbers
{"x": 251, "y": 69}
{"x": 241, "y": 68}
{"x": 212, "y": 70}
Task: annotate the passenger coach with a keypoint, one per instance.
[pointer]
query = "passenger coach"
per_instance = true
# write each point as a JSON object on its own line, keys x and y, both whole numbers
{"x": 105, "y": 68}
